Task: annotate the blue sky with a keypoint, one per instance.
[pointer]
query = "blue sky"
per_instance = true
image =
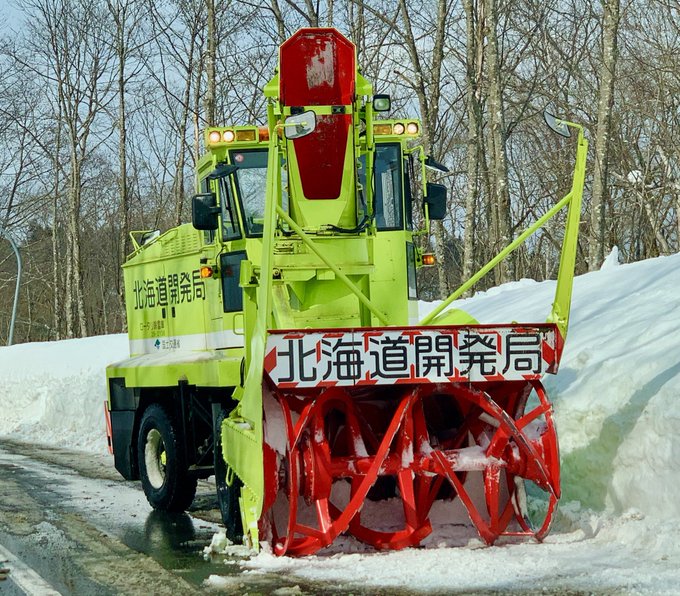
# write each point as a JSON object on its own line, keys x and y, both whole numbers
{"x": 10, "y": 14}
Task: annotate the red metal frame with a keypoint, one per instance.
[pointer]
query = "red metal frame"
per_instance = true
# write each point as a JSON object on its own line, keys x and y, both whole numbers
{"x": 426, "y": 438}
{"x": 109, "y": 431}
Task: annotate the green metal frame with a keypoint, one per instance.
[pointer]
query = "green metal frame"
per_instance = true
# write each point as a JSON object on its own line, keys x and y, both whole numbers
{"x": 565, "y": 277}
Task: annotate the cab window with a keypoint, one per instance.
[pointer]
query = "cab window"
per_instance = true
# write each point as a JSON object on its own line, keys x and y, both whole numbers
{"x": 251, "y": 185}
{"x": 387, "y": 196}
{"x": 230, "y": 227}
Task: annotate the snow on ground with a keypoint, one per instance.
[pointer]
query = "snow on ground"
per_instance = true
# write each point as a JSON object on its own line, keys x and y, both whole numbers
{"x": 617, "y": 409}
{"x": 54, "y": 392}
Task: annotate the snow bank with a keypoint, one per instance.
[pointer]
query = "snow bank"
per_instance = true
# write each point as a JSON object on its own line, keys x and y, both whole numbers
{"x": 54, "y": 392}
{"x": 616, "y": 394}
{"x": 627, "y": 555}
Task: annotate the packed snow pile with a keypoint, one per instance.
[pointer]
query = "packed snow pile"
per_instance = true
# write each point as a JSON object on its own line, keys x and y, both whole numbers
{"x": 617, "y": 410}
{"x": 54, "y": 392}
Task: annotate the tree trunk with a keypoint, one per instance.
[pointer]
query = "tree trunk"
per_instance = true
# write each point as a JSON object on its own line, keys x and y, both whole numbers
{"x": 78, "y": 302}
{"x": 57, "y": 263}
{"x": 280, "y": 26}
{"x": 356, "y": 20}
{"x": 211, "y": 59}
{"x": 122, "y": 158}
{"x": 429, "y": 111}
{"x": 330, "y": 12}
{"x": 610, "y": 26}
{"x": 178, "y": 190}
{"x": 474, "y": 64}
{"x": 312, "y": 14}
{"x": 501, "y": 192}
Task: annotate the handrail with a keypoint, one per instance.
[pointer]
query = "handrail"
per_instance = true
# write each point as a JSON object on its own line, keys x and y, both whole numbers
{"x": 253, "y": 382}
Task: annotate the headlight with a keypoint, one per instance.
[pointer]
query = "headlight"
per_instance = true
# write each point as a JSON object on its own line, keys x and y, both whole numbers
{"x": 399, "y": 128}
{"x": 228, "y": 136}
{"x": 381, "y": 103}
{"x": 215, "y": 136}
{"x": 412, "y": 128}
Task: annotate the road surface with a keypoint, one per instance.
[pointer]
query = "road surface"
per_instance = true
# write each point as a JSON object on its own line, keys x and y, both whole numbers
{"x": 69, "y": 524}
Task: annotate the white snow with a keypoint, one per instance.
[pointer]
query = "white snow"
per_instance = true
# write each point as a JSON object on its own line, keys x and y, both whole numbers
{"x": 221, "y": 545}
{"x": 612, "y": 259}
{"x": 54, "y": 392}
{"x": 617, "y": 411}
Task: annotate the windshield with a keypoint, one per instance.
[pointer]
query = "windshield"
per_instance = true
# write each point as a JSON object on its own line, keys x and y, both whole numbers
{"x": 387, "y": 199}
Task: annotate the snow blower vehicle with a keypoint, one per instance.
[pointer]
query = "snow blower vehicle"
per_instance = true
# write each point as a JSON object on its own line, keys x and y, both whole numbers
{"x": 276, "y": 344}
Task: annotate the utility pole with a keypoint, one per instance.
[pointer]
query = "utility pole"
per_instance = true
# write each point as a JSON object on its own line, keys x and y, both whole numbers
{"x": 5, "y": 234}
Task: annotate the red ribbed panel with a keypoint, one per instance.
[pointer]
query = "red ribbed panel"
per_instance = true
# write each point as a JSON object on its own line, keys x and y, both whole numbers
{"x": 318, "y": 69}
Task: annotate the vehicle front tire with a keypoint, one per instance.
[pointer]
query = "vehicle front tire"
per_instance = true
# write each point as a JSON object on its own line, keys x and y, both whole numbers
{"x": 167, "y": 484}
{"x": 228, "y": 487}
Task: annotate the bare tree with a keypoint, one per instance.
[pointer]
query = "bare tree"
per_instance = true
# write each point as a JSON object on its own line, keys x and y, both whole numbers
{"x": 179, "y": 38}
{"x": 474, "y": 64}
{"x": 210, "y": 61}
{"x": 501, "y": 194}
{"x": 69, "y": 51}
{"x": 610, "y": 26}
{"x": 127, "y": 17}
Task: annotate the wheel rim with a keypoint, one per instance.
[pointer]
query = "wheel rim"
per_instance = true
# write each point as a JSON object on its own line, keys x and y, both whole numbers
{"x": 155, "y": 458}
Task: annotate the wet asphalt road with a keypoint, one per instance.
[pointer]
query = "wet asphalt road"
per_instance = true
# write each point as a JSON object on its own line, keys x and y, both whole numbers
{"x": 84, "y": 531}
{"x": 70, "y": 519}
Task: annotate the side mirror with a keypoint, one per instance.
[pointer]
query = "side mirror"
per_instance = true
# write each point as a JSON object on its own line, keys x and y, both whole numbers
{"x": 556, "y": 125}
{"x": 204, "y": 211}
{"x": 300, "y": 125}
{"x": 436, "y": 200}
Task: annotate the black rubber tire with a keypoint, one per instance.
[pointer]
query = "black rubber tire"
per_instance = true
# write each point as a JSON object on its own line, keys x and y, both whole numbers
{"x": 167, "y": 484}
{"x": 227, "y": 495}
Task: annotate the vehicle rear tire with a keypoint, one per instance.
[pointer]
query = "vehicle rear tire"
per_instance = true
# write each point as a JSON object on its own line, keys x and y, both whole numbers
{"x": 167, "y": 484}
{"x": 228, "y": 488}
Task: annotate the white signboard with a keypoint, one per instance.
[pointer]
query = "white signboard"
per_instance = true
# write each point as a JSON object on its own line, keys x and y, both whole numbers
{"x": 410, "y": 355}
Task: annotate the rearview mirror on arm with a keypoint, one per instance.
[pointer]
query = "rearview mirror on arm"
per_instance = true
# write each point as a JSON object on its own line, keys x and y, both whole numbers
{"x": 436, "y": 201}
{"x": 300, "y": 125}
{"x": 204, "y": 211}
{"x": 556, "y": 124}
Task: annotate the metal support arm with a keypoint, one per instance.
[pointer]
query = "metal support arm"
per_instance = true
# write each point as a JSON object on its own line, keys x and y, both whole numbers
{"x": 4, "y": 233}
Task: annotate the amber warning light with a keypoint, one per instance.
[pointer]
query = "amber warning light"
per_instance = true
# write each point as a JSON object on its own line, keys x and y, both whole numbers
{"x": 429, "y": 260}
